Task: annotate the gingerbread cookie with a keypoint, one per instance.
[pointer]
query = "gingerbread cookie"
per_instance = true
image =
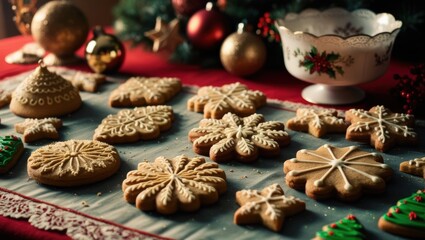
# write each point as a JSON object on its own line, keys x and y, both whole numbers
{"x": 346, "y": 228}
{"x": 11, "y": 149}
{"x": 214, "y": 102}
{"x": 268, "y": 206}
{"x": 73, "y": 163}
{"x": 382, "y": 128}
{"x": 317, "y": 122}
{"x": 407, "y": 218}
{"x": 241, "y": 138}
{"x": 415, "y": 167}
{"x": 140, "y": 91}
{"x": 345, "y": 172}
{"x": 83, "y": 81}
{"x": 169, "y": 185}
{"x": 44, "y": 94}
{"x": 142, "y": 123}
{"x": 5, "y": 97}
{"x": 36, "y": 129}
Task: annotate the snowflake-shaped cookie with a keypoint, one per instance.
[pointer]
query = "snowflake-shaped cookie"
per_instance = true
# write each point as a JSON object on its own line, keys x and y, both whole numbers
{"x": 217, "y": 101}
{"x": 345, "y": 172}
{"x": 140, "y": 91}
{"x": 5, "y": 97}
{"x": 180, "y": 183}
{"x": 415, "y": 166}
{"x": 316, "y": 122}
{"x": 73, "y": 163}
{"x": 382, "y": 128}
{"x": 133, "y": 125}
{"x": 35, "y": 129}
{"x": 269, "y": 207}
{"x": 236, "y": 137}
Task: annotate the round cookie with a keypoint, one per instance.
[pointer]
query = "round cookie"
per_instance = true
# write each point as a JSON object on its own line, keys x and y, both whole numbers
{"x": 44, "y": 94}
{"x": 73, "y": 163}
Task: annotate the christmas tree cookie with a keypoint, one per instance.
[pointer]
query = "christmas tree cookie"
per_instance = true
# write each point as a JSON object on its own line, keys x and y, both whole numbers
{"x": 346, "y": 228}
{"x": 11, "y": 148}
{"x": 407, "y": 218}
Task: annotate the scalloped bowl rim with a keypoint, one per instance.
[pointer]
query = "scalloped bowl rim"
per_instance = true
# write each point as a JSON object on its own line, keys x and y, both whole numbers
{"x": 309, "y": 11}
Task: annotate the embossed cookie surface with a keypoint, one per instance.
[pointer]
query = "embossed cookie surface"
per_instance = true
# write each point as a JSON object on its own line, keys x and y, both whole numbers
{"x": 176, "y": 184}
{"x": 343, "y": 172}
{"x": 140, "y": 91}
{"x": 35, "y": 129}
{"x": 317, "y": 122}
{"x": 241, "y": 138}
{"x": 415, "y": 166}
{"x": 127, "y": 125}
{"x": 44, "y": 94}
{"x": 214, "y": 102}
{"x": 73, "y": 163}
{"x": 268, "y": 206}
{"x": 11, "y": 149}
{"x": 407, "y": 218}
{"x": 83, "y": 81}
{"x": 382, "y": 128}
{"x": 346, "y": 228}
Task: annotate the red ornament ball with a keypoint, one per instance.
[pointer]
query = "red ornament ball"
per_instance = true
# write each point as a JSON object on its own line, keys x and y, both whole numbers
{"x": 187, "y": 8}
{"x": 207, "y": 28}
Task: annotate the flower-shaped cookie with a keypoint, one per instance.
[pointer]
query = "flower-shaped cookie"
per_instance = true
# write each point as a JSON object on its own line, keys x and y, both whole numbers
{"x": 140, "y": 91}
{"x": 217, "y": 101}
{"x": 346, "y": 172}
{"x": 180, "y": 183}
{"x": 236, "y": 137}
{"x": 382, "y": 128}
{"x": 34, "y": 129}
{"x": 415, "y": 167}
{"x": 133, "y": 125}
{"x": 268, "y": 206}
{"x": 316, "y": 122}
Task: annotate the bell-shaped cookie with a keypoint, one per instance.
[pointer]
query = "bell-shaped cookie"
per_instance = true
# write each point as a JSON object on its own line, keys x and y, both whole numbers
{"x": 44, "y": 94}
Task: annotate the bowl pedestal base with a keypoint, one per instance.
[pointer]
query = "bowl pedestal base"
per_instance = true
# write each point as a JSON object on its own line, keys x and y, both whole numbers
{"x": 332, "y": 95}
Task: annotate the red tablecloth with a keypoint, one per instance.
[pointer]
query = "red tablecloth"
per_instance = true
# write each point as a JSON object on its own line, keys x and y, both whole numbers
{"x": 276, "y": 84}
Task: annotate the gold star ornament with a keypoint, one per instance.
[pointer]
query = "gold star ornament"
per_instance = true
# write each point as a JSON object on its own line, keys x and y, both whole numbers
{"x": 165, "y": 35}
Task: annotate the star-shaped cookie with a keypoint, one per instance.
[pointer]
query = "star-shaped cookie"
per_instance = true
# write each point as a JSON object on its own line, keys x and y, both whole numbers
{"x": 241, "y": 138}
{"x": 140, "y": 91}
{"x": 83, "y": 81}
{"x": 415, "y": 167}
{"x": 133, "y": 125}
{"x": 382, "y": 128}
{"x": 214, "y": 102}
{"x": 345, "y": 172}
{"x": 168, "y": 185}
{"x": 268, "y": 206}
{"x": 317, "y": 122}
{"x": 36, "y": 129}
{"x": 165, "y": 35}
{"x": 5, "y": 97}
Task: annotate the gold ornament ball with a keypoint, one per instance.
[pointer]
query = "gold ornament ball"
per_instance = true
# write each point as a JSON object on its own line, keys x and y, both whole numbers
{"x": 60, "y": 28}
{"x": 243, "y": 53}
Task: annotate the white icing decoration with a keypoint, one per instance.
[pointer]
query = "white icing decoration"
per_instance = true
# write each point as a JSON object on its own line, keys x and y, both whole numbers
{"x": 227, "y": 98}
{"x": 339, "y": 164}
{"x": 318, "y": 118}
{"x": 248, "y": 133}
{"x": 72, "y": 157}
{"x": 140, "y": 121}
{"x": 382, "y": 123}
{"x": 274, "y": 195}
{"x": 34, "y": 126}
{"x": 418, "y": 162}
{"x": 173, "y": 178}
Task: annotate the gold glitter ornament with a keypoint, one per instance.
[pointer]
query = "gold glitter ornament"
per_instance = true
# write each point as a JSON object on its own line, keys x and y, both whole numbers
{"x": 243, "y": 53}
{"x": 61, "y": 29}
{"x": 104, "y": 52}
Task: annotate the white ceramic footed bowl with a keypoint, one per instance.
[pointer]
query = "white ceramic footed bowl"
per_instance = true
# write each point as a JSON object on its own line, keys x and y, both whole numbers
{"x": 336, "y": 47}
